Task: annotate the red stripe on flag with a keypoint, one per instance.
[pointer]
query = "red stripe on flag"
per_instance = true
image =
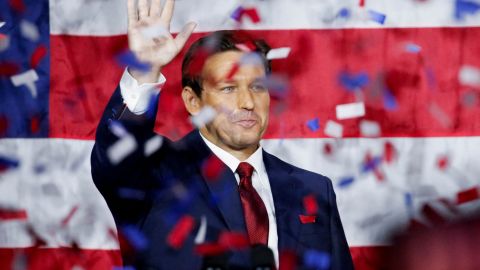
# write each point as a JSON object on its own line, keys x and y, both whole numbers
{"x": 59, "y": 258}
{"x": 84, "y": 74}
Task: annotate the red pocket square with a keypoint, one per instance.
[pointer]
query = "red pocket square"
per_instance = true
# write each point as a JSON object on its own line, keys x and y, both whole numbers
{"x": 307, "y": 219}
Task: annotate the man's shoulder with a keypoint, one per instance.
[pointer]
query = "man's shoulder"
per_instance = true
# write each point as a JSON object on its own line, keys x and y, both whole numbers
{"x": 303, "y": 175}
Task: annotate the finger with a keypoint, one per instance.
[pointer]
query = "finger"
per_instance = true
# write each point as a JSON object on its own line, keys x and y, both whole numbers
{"x": 183, "y": 36}
{"x": 143, "y": 9}
{"x": 167, "y": 12}
{"x": 132, "y": 12}
{"x": 155, "y": 8}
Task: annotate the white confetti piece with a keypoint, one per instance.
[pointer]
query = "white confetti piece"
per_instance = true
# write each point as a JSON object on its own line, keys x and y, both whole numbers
{"x": 2, "y": 24}
{"x": 118, "y": 129}
{"x": 279, "y": 53}
{"x": 252, "y": 59}
{"x": 333, "y": 129}
{"x": 469, "y": 75}
{"x": 152, "y": 145}
{"x": 205, "y": 116}
{"x": 202, "y": 231}
{"x": 121, "y": 149}
{"x": 369, "y": 128}
{"x": 350, "y": 110}
{"x": 27, "y": 78}
{"x": 29, "y": 30}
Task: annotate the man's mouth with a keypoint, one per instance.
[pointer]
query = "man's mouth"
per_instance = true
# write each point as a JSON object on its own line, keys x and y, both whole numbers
{"x": 248, "y": 123}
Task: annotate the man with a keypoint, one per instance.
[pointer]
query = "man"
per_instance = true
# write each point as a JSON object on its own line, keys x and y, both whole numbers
{"x": 175, "y": 190}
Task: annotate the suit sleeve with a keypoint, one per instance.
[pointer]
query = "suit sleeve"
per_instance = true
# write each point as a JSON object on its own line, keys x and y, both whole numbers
{"x": 126, "y": 185}
{"x": 341, "y": 257}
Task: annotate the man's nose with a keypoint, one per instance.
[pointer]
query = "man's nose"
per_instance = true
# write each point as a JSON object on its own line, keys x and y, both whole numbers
{"x": 245, "y": 99}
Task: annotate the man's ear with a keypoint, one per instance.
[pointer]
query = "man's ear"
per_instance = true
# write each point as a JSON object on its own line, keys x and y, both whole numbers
{"x": 192, "y": 102}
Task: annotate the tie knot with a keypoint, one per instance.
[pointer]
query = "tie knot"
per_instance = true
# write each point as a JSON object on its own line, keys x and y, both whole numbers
{"x": 245, "y": 170}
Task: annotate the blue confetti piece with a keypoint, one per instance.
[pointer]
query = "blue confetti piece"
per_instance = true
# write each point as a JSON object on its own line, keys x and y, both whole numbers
{"x": 313, "y": 124}
{"x": 344, "y": 13}
{"x": 389, "y": 100}
{"x": 353, "y": 82}
{"x": 317, "y": 259}
{"x": 413, "y": 48}
{"x": 237, "y": 13}
{"x": 409, "y": 203}
{"x": 463, "y": 8}
{"x": 371, "y": 164}
{"x": 135, "y": 237}
{"x": 8, "y": 163}
{"x": 127, "y": 58}
{"x": 377, "y": 16}
{"x": 346, "y": 181}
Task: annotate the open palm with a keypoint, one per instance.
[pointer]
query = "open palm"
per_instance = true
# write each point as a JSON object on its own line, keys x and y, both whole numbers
{"x": 159, "y": 48}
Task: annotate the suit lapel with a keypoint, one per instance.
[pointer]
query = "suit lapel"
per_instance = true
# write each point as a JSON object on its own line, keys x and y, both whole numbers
{"x": 222, "y": 192}
{"x": 286, "y": 200}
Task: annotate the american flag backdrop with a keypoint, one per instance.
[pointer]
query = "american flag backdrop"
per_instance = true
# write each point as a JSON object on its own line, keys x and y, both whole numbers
{"x": 382, "y": 96}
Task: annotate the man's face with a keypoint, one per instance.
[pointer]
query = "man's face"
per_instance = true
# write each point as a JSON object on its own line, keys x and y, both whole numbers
{"x": 242, "y": 101}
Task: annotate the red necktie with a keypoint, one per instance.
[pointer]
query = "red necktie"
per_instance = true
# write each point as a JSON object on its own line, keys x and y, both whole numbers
{"x": 254, "y": 210}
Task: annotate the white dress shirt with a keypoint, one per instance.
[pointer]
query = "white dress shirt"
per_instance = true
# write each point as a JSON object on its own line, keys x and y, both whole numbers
{"x": 137, "y": 98}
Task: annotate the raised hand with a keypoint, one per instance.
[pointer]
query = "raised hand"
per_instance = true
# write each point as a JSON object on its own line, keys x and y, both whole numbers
{"x": 149, "y": 35}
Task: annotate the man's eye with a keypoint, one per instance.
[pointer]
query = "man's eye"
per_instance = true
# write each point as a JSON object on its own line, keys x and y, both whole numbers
{"x": 258, "y": 88}
{"x": 228, "y": 89}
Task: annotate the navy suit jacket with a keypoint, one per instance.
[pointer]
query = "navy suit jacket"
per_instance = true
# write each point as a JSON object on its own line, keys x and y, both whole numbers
{"x": 152, "y": 193}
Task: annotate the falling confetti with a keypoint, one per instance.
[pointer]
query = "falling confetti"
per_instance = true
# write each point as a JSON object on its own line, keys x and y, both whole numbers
{"x": 351, "y": 110}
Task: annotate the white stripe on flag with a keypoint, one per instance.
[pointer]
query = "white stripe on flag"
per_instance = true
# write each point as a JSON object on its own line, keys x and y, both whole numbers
{"x": 109, "y": 17}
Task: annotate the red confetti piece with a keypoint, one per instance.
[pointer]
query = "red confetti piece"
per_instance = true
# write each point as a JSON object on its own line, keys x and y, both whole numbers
{"x": 69, "y": 216}
{"x": 252, "y": 13}
{"x": 17, "y": 5}
{"x": 432, "y": 215}
{"x": 307, "y": 219}
{"x": 8, "y": 69}
{"x": 234, "y": 240}
{"x": 379, "y": 175}
{"x": 35, "y": 124}
{"x": 442, "y": 163}
{"x": 180, "y": 232}
{"x": 233, "y": 71}
{"x": 389, "y": 152}
{"x": 327, "y": 149}
{"x": 37, "y": 56}
{"x": 362, "y": 3}
{"x": 3, "y": 126}
{"x": 288, "y": 260}
{"x": 310, "y": 204}
{"x": 468, "y": 195}
{"x": 209, "y": 249}
{"x": 212, "y": 168}
{"x": 8, "y": 214}
{"x": 2, "y": 36}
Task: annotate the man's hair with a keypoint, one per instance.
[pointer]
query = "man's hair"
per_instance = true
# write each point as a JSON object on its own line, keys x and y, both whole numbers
{"x": 217, "y": 42}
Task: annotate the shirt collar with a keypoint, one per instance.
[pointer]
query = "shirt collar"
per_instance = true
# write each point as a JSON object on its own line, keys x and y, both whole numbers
{"x": 256, "y": 159}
